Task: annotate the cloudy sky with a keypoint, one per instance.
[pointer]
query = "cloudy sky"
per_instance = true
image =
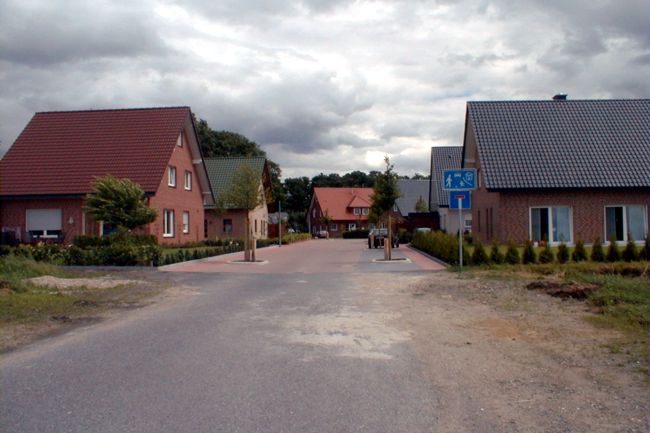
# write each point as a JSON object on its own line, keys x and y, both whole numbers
{"x": 326, "y": 86}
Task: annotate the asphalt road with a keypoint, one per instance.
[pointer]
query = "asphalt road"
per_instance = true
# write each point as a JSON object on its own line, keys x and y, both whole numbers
{"x": 294, "y": 344}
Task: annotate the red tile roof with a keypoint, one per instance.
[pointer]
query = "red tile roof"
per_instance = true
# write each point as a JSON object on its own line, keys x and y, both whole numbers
{"x": 62, "y": 152}
{"x": 339, "y": 202}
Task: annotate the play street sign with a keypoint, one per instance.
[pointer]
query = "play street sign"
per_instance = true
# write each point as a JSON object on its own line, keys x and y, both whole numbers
{"x": 465, "y": 200}
{"x": 459, "y": 180}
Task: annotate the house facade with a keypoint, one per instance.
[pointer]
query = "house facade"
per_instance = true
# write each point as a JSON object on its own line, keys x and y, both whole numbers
{"x": 447, "y": 158}
{"x": 53, "y": 164}
{"x": 410, "y": 215}
{"x": 347, "y": 208}
{"x": 559, "y": 170}
{"x": 224, "y": 221}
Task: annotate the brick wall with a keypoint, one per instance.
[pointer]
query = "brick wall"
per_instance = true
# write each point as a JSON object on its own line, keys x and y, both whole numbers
{"x": 238, "y": 218}
{"x": 180, "y": 200}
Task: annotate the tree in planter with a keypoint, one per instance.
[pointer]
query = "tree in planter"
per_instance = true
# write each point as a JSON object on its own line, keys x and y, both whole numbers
{"x": 385, "y": 193}
{"x": 120, "y": 202}
{"x": 326, "y": 220}
{"x": 245, "y": 192}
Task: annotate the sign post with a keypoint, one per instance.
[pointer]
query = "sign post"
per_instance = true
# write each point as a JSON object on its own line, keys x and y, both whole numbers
{"x": 459, "y": 183}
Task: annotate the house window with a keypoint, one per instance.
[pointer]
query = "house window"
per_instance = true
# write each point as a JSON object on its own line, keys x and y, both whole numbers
{"x": 205, "y": 228}
{"x": 551, "y": 224}
{"x": 352, "y": 227}
{"x": 44, "y": 223}
{"x": 334, "y": 227}
{"x": 186, "y": 222}
{"x": 168, "y": 223}
{"x": 357, "y": 211}
{"x": 365, "y": 210}
{"x": 179, "y": 142}
{"x": 188, "y": 180}
{"x": 171, "y": 176}
{"x": 625, "y": 222}
{"x": 255, "y": 226}
{"x": 227, "y": 226}
{"x": 468, "y": 224}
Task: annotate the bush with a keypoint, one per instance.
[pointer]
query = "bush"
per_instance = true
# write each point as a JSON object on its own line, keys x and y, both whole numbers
{"x": 547, "y": 256}
{"x": 562, "y": 253}
{"x": 528, "y": 256}
{"x": 355, "y": 234}
{"x": 405, "y": 236}
{"x": 512, "y": 254}
{"x": 438, "y": 244}
{"x": 630, "y": 253}
{"x": 644, "y": 254}
{"x": 597, "y": 253}
{"x": 479, "y": 256}
{"x": 579, "y": 253}
{"x": 496, "y": 256}
{"x": 613, "y": 254}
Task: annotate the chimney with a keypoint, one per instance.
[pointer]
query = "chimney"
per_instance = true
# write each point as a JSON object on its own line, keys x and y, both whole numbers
{"x": 560, "y": 97}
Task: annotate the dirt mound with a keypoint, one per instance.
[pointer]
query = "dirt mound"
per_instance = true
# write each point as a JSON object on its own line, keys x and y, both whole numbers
{"x": 563, "y": 289}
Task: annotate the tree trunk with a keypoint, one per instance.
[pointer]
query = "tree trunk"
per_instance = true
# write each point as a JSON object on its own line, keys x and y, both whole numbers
{"x": 388, "y": 250}
{"x": 253, "y": 246}
{"x": 247, "y": 251}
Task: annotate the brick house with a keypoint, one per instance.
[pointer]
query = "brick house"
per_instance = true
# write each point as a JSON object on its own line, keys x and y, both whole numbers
{"x": 229, "y": 222}
{"x": 447, "y": 158}
{"x": 347, "y": 207}
{"x": 52, "y": 165}
{"x": 559, "y": 170}
{"x": 410, "y": 192}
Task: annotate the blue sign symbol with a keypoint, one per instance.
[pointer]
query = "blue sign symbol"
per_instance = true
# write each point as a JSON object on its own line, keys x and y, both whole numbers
{"x": 465, "y": 199}
{"x": 459, "y": 179}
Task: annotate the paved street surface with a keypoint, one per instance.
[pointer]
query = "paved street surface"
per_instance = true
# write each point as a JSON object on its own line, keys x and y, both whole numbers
{"x": 297, "y": 343}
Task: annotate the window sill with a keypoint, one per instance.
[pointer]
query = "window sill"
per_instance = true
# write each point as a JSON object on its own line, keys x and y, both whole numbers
{"x": 168, "y": 236}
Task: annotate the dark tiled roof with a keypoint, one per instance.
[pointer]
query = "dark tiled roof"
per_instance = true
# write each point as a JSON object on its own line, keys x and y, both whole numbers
{"x": 221, "y": 170}
{"x": 410, "y": 191}
{"x": 62, "y": 152}
{"x": 563, "y": 144}
{"x": 443, "y": 158}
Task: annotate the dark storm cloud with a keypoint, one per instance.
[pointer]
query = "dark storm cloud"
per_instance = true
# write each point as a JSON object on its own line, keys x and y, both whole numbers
{"x": 46, "y": 33}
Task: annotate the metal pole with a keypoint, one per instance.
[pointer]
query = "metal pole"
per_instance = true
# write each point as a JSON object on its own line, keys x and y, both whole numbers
{"x": 460, "y": 232}
{"x": 280, "y": 222}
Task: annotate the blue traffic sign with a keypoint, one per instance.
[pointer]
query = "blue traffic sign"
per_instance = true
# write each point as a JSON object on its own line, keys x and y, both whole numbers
{"x": 462, "y": 179}
{"x": 465, "y": 199}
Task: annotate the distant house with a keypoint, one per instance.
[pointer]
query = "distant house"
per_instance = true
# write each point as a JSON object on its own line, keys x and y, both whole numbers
{"x": 230, "y": 222}
{"x": 447, "y": 158}
{"x": 411, "y": 192}
{"x": 53, "y": 164}
{"x": 559, "y": 170}
{"x": 348, "y": 209}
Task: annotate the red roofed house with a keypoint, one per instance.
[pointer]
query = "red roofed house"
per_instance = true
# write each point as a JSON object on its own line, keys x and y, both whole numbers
{"x": 53, "y": 164}
{"x": 347, "y": 207}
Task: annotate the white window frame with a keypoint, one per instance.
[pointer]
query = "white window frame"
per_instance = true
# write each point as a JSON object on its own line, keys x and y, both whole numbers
{"x": 188, "y": 180}
{"x": 171, "y": 176}
{"x": 168, "y": 223}
{"x": 357, "y": 211}
{"x": 352, "y": 227}
{"x": 180, "y": 140}
{"x": 334, "y": 227}
{"x": 365, "y": 211}
{"x": 550, "y": 223}
{"x": 186, "y": 222}
{"x": 625, "y": 230}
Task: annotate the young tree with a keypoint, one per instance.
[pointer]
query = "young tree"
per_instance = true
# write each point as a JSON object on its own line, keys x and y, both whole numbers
{"x": 326, "y": 219}
{"x": 421, "y": 205}
{"x": 245, "y": 192}
{"x": 385, "y": 193}
{"x": 120, "y": 202}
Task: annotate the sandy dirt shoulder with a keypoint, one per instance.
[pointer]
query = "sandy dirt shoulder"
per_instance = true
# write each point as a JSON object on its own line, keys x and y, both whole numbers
{"x": 512, "y": 360}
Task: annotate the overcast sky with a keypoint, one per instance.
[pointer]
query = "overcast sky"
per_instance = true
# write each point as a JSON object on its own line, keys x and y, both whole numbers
{"x": 326, "y": 86}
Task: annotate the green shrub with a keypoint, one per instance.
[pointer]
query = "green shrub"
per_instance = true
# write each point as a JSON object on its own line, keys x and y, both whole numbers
{"x": 439, "y": 244}
{"x": 547, "y": 256}
{"x": 355, "y": 234}
{"x": 479, "y": 256}
{"x": 613, "y": 254}
{"x": 405, "y": 236}
{"x": 579, "y": 253}
{"x": 528, "y": 256}
{"x": 496, "y": 256}
{"x": 630, "y": 253}
{"x": 644, "y": 254}
{"x": 562, "y": 253}
{"x": 5, "y": 250}
{"x": 512, "y": 254}
{"x": 597, "y": 253}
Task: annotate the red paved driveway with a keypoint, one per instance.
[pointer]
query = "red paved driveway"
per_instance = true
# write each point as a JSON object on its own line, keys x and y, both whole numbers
{"x": 315, "y": 256}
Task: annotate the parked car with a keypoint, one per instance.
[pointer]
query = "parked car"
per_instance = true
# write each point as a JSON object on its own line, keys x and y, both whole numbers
{"x": 322, "y": 234}
{"x": 376, "y": 238}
